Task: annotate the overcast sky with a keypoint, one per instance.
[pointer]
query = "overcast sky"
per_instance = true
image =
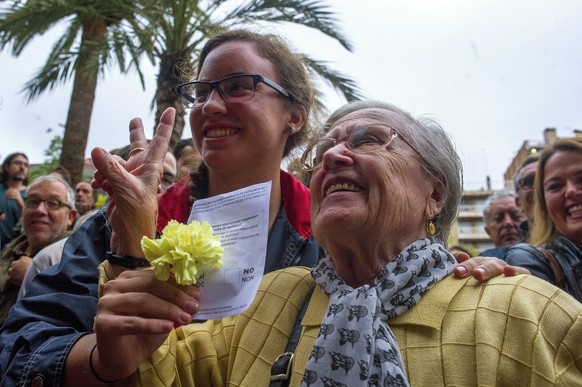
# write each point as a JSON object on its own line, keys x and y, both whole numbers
{"x": 493, "y": 72}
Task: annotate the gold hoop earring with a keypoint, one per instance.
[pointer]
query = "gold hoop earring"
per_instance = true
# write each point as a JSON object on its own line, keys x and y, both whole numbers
{"x": 431, "y": 228}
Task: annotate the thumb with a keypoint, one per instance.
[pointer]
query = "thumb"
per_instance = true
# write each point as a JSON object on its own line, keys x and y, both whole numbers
{"x": 108, "y": 166}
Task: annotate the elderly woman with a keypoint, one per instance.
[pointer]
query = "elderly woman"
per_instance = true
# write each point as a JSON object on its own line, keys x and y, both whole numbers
{"x": 383, "y": 309}
{"x": 557, "y": 230}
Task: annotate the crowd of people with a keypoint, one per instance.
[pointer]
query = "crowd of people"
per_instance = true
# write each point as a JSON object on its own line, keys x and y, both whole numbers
{"x": 357, "y": 288}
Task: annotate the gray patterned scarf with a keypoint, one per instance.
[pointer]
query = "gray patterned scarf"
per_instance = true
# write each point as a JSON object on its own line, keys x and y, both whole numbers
{"x": 355, "y": 346}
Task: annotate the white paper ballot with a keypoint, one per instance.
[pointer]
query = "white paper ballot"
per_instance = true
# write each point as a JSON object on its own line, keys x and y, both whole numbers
{"x": 241, "y": 218}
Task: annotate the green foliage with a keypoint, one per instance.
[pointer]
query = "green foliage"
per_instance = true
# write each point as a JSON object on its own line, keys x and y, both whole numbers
{"x": 53, "y": 154}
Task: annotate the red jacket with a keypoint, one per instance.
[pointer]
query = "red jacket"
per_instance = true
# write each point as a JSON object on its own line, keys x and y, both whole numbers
{"x": 174, "y": 204}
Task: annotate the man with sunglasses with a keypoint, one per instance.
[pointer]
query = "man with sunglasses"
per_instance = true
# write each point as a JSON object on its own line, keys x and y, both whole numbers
{"x": 523, "y": 182}
{"x": 48, "y": 212}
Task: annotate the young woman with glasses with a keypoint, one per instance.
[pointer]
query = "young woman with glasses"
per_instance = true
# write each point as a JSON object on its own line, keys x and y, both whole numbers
{"x": 250, "y": 105}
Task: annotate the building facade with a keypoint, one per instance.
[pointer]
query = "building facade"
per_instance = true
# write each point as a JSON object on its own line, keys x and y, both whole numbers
{"x": 469, "y": 228}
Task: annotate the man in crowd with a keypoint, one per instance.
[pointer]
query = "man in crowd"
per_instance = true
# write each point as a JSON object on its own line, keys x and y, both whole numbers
{"x": 502, "y": 219}
{"x": 85, "y": 198}
{"x": 48, "y": 212}
{"x": 523, "y": 182}
{"x": 13, "y": 183}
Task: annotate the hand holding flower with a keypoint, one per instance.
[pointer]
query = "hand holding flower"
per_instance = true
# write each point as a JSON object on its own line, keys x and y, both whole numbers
{"x": 183, "y": 250}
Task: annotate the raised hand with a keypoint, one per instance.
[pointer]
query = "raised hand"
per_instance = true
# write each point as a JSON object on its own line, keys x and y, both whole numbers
{"x": 132, "y": 186}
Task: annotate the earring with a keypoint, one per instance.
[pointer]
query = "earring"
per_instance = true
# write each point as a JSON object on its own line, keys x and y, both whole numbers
{"x": 289, "y": 130}
{"x": 431, "y": 228}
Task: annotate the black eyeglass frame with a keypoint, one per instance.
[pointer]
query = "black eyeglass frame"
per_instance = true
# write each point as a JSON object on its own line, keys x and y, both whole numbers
{"x": 30, "y": 205}
{"x": 526, "y": 183}
{"x": 216, "y": 85}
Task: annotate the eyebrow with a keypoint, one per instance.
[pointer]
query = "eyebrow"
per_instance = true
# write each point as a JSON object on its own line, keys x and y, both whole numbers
{"x": 50, "y": 197}
{"x": 226, "y": 76}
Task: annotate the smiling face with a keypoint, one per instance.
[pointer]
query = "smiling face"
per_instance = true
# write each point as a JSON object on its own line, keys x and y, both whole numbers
{"x": 382, "y": 197}
{"x": 41, "y": 226}
{"x": 247, "y": 135}
{"x": 562, "y": 186}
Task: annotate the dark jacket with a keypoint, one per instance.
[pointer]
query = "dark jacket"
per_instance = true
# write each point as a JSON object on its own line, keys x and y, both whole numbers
{"x": 568, "y": 256}
{"x": 61, "y": 303}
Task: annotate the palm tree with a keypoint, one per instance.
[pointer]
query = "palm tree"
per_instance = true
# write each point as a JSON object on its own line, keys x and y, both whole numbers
{"x": 101, "y": 32}
{"x": 97, "y": 33}
{"x": 183, "y": 26}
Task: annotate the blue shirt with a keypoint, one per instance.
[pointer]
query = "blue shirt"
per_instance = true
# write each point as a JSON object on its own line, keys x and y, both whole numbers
{"x": 12, "y": 211}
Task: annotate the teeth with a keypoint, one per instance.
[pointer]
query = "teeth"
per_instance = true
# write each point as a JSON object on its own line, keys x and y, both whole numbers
{"x": 215, "y": 133}
{"x": 574, "y": 209}
{"x": 343, "y": 187}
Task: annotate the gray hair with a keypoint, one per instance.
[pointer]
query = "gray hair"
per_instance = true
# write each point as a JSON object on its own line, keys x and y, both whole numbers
{"x": 50, "y": 178}
{"x": 493, "y": 198}
{"x": 437, "y": 151}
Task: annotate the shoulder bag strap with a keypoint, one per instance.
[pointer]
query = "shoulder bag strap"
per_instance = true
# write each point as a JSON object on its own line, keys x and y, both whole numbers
{"x": 556, "y": 268}
{"x": 281, "y": 369}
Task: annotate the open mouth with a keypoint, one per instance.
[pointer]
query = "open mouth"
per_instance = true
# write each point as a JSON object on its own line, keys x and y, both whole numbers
{"x": 343, "y": 187}
{"x": 574, "y": 210}
{"x": 217, "y": 133}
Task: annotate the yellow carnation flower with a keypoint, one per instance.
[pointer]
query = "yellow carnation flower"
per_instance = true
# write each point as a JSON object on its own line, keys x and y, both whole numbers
{"x": 182, "y": 250}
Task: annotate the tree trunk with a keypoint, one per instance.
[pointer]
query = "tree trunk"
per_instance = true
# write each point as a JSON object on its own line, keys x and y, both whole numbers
{"x": 82, "y": 99}
{"x": 166, "y": 96}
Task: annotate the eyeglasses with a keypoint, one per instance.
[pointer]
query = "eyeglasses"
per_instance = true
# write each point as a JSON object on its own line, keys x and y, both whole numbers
{"x": 234, "y": 88}
{"x": 361, "y": 140}
{"x": 526, "y": 184}
{"x": 19, "y": 163}
{"x": 50, "y": 204}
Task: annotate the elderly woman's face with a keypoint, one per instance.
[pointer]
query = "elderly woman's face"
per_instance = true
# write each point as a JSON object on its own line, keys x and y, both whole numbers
{"x": 381, "y": 194}
{"x": 563, "y": 193}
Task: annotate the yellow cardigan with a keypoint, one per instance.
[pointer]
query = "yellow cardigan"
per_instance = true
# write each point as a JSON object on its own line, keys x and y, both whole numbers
{"x": 509, "y": 331}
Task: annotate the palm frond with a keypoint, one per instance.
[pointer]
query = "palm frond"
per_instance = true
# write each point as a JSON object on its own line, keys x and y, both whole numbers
{"x": 24, "y": 22}
{"x": 57, "y": 69}
{"x": 310, "y": 13}
{"x": 345, "y": 85}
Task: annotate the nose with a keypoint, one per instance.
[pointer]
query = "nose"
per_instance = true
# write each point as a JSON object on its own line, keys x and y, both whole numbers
{"x": 214, "y": 103}
{"x": 337, "y": 156}
{"x": 508, "y": 221}
{"x": 572, "y": 189}
{"x": 41, "y": 208}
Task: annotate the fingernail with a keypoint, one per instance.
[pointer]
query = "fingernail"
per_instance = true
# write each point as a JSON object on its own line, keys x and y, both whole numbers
{"x": 191, "y": 306}
{"x": 185, "y": 317}
{"x": 462, "y": 270}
